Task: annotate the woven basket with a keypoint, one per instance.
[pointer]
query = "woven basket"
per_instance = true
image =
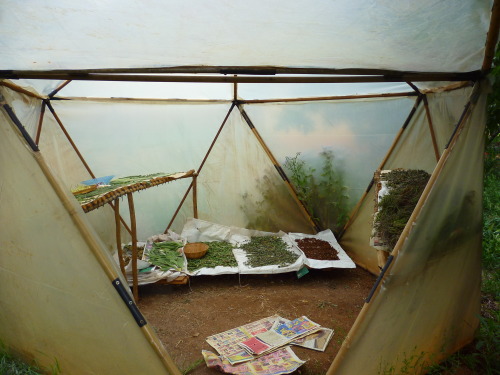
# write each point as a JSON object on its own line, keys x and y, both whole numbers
{"x": 195, "y": 250}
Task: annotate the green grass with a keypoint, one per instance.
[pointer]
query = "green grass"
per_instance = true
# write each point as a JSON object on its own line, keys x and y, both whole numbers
{"x": 12, "y": 366}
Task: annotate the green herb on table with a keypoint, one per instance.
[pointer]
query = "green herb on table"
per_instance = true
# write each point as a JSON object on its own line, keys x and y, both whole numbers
{"x": 220, "y": 253}
{"x": 268, "y": 250}
{"x": 165, "y": 255}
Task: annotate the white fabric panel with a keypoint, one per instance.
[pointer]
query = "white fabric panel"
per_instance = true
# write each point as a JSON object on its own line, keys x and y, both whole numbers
{"x": 429, "y": 304}
{"x": 130, "y": 138}
{"x": 57, "y": 306}
{"x": 358, "y": 132}
{"x": 413, "y": 151}
{"x": 239, "y": 185}
{"x": 428, "y": 35}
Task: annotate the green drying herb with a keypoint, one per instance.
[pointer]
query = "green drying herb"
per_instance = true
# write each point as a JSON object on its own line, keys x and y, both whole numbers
{"x": 395, "y": 208}
{"x": 268, "y": 250}
{"x": 220, "y": 253}
{"x": 166, "y": 256}
{"x": 116, "y": 183}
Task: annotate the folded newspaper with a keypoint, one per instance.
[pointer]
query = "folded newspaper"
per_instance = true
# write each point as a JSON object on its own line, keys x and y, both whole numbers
{"x": 251, "y": 343}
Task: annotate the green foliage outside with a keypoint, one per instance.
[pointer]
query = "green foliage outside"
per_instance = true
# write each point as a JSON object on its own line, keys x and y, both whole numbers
{"x": 322, "y": 191}
{"x": 11, "y": 366}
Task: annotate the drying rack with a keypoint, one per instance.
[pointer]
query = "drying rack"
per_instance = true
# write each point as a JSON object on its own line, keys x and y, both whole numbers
{"x": 95, "y": 199}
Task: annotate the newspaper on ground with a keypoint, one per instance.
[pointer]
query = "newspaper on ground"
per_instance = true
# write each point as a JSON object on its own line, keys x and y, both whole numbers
{"x": 227, "y": 343}
{"x": 282, "y": 361}
{"x": 282, "y": 333}
{"x": 316, "y": 341}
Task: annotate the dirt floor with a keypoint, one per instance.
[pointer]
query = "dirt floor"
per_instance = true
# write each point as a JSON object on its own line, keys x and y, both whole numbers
{"x": 184, "y": 315}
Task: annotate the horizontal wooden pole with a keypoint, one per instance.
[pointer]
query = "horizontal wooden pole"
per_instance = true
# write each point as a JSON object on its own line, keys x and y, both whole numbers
{"x": 140, "y": 100}
{"x": 390, "y": 77}
{"x": 327, "y": 98}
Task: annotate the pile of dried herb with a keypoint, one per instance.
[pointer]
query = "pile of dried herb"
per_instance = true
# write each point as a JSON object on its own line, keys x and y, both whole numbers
{"x": 220, "y": 253}
{"x": 395, "y": 208}
{"x": 315, "y": 248}
{"x": 268, "y": 250}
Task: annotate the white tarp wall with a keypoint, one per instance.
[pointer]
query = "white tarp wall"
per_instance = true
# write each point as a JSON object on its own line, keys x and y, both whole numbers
{"x": 57, "y": 303}
{"x": 428, "y": 304}
{"x": 428, "y": 35}
{"x": 414, "y": 150}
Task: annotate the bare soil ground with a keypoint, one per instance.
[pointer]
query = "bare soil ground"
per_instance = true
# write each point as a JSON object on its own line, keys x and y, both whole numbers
{"x": 184, "y": 315}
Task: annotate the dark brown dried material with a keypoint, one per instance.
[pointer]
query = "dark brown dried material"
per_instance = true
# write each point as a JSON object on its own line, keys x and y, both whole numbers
{"x": 317, "y": 249}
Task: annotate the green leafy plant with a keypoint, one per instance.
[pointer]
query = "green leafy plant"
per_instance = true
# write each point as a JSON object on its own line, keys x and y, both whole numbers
{"x": 322, "y": 191}
{"x": 12, "y": 366}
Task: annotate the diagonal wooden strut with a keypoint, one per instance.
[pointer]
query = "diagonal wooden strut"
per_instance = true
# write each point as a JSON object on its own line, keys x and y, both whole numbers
{"x": 200, "y": 168}
{"x": 280, "y": 170}
{"x": 68, "y": 137}
{"x": 381, "y": 166}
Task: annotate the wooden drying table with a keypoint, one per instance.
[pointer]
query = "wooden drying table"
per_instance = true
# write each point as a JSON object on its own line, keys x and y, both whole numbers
{"x": 95, "y": 200}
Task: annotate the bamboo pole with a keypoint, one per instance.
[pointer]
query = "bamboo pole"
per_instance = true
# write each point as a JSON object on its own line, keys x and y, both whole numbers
{"x": 235, "y": 91}
{"x": 415, "y": 88}
{"x": 327, "y": 98}
{"x": 135, "y": 283}
{"x": 200, "y": 167}
{"x": 388, "y": 154}
{"x": 492, "y": 37}
{"x": 431, "y": 128}
{"x": 98, "y": 252}
{"x": 195, "y": 197}
{"x": 118, "y": 237}
{"x": 21, "y": 90}
{"x": 141, "y": 100}
{"x": 291, "y": 188}
{"x": 40, "y": 122}
{"x": 59, "y": 88}
{"x": 399, "y": 77}
{"x": 406, "y": 231}
{"x": 68, "y": 137}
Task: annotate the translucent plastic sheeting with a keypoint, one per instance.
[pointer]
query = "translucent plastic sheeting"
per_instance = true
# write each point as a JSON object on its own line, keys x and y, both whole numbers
{"x": 149, "y": 90}
{"x": 357, "y": 132}
{"x": 61, "y": 158}
{"x": 428, "y": 305}
{"x": 414, "y": 150}
{"x": 27, "y": 109}
{"x": 428, "y": 35}
{"x": 130, "y": 138}
{"x": 57, "y": 305}
{"x": 240, "y": 186}
{"x": 42, "y": 86}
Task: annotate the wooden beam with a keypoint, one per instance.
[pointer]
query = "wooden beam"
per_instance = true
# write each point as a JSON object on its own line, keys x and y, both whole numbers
{"x": 118, "y": 237}
{"x": 431, "y": 128}
{"x": 21, "y": 90}
{"x": 40, "y": 122}
{"x": 396, "y": 77}
{"x": 133, "y": 226}
{"x": 492, "y": 37}
{"x": 327, "y": 98}
{"x": 59, "y": 88}
{"x": 200, "y": 167}
{"x": 225, "y": 70}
